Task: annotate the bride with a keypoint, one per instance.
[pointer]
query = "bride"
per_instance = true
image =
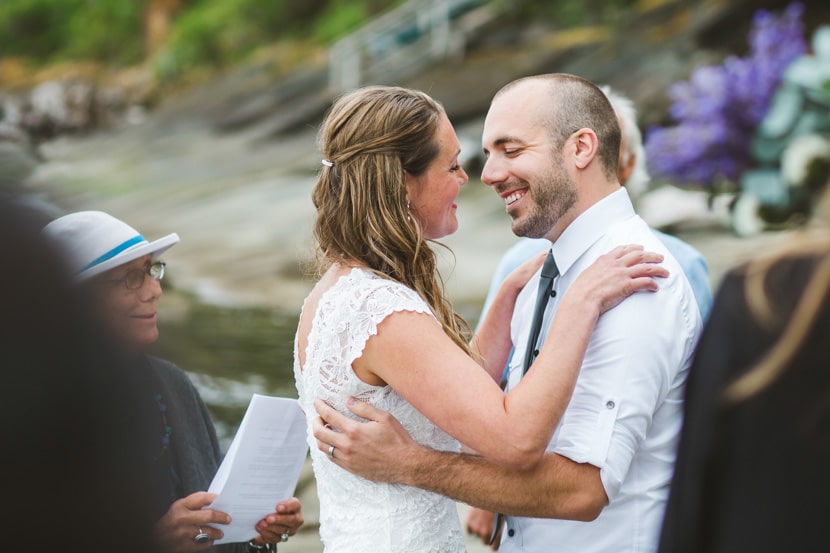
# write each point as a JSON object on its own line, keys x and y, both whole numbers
{"x": 388, "y": 186}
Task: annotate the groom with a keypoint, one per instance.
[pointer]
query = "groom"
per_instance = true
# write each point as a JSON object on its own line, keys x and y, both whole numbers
{"x": 552, "y": 144}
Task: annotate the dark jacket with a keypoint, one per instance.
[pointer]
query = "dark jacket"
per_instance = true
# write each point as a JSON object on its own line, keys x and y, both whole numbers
{"x": 753, "y": 476}
{"x": 194, "y": 447}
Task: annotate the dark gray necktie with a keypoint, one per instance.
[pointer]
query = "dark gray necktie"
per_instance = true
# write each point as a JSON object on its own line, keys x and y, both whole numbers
{"x": 549, "y": 273}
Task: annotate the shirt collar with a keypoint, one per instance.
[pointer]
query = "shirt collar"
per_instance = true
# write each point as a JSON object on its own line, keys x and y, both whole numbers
{"x": 590, "y": 226}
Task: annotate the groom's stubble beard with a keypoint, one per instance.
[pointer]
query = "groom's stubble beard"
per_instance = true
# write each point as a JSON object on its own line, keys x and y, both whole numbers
{"x": 553, "y": 194}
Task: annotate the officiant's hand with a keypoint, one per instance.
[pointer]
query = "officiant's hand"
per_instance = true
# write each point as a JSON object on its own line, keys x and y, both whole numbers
{"x": 380, "y": 449}
{"x": 286, "y": 519}
{"x": 176, "y": 531}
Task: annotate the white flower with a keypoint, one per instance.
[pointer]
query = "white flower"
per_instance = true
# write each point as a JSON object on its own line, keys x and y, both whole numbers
{"x": 798, "y": 154}
{"x": 746, "y": 219}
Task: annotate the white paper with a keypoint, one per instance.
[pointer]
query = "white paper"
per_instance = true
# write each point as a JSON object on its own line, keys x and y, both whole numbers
{"x": 262, "y": 465}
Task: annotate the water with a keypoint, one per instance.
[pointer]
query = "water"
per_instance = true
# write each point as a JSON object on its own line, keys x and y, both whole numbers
{"x": 230, "y": 353}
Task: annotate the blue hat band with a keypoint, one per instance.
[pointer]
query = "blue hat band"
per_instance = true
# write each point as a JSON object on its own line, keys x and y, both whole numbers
{"x": 115, "y": 251}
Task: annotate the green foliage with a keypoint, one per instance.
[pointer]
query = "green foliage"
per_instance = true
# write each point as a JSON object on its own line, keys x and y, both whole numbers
{"x": 48, "y": 30}
{"x": 106, "y": 31}
{"x": 204, "y": 33}
{"x": 570, "y": 13}
{"x": 34, "y": 28}
{"x": 341, "y": 17}
{"x": 218, "y": 32}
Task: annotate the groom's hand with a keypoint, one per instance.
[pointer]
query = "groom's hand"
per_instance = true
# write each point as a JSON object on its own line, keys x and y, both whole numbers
{"x": 379, "y": 449}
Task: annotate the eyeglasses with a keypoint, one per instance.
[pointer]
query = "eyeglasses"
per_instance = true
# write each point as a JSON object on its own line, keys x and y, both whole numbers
{"x": 134, "y": 279}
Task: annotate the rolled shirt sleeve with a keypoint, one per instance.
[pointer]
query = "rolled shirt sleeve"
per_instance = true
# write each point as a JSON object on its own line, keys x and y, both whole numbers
{"x": 630, "y": 385}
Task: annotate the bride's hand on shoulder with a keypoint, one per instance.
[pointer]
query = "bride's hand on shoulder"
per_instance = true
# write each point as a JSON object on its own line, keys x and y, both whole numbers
{"x": 618, "y": 274}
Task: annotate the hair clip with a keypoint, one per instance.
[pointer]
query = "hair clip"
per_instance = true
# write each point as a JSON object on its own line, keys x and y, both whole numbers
{"x": 328, "y": 163}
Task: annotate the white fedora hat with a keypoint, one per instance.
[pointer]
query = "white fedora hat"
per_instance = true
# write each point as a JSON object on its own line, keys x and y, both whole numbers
{"x": 94, "y": 242}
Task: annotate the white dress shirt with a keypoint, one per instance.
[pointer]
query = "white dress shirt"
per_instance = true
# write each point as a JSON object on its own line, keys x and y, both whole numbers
{"x": 626, "y": 411}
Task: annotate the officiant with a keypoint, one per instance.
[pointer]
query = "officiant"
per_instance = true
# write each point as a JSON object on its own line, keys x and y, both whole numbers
{"x": 113, "y": 262}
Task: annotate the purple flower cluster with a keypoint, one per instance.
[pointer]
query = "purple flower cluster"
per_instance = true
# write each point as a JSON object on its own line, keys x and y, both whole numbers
{"x": 719, "y": 107}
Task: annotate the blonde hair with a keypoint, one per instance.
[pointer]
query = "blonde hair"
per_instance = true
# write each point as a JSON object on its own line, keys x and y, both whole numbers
{"x": 814, "y": 242}
{"x": 370, "y": 137}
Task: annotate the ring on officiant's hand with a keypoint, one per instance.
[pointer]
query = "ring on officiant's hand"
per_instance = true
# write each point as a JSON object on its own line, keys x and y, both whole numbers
{"x": 201, "y": 537}
{"x": 284, "y": 537}
{"x": 331, "y": 452}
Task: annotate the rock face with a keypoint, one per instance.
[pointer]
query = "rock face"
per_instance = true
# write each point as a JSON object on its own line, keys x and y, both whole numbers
{"x": 47, "y": 111}
{"x": 53, "y": 108}
{"x": 19, "y": 156}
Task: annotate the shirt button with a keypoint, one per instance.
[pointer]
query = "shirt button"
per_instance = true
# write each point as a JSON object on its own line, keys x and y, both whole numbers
{"x": 535, "y": 352}
{"x": 553, "y": 293}
{"x": 511, "y": 532}
{"x": 610, "y": 404}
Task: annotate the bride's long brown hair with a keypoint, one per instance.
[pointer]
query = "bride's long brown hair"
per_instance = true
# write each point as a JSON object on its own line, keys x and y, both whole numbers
{"x": 370, "y": 137}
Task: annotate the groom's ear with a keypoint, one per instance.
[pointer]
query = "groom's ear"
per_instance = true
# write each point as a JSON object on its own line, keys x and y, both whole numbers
{"x": 585, "y": 147}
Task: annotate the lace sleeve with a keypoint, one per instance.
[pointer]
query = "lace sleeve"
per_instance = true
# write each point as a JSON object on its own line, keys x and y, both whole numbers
{"x": 348, "y": 315}
{"x": 371, "y": 304}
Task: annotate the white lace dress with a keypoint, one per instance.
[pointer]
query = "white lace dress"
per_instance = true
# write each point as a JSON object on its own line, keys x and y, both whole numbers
{"x": 357, "y": 515}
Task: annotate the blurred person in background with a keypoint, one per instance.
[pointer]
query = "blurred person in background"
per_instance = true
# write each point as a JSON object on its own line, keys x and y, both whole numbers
{"x": 70, "y": 472}
{"x": 111, "y": 261}
{"x": 752, "y": 467}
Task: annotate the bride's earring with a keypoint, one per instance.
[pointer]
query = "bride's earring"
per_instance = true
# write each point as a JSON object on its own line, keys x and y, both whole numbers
{"x": 408, "y": 217}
